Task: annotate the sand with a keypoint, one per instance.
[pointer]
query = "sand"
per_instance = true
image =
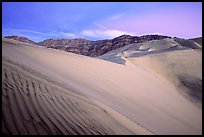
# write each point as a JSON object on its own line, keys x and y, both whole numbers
{"x": 46, "y": 91}
{"x": 182, "y": 68}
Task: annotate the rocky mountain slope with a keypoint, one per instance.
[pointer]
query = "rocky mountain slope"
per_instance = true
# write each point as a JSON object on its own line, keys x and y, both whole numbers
{"x": 96, "y": 48}
{"x": 91, "y": 48}
{"x": 100, "y": 47}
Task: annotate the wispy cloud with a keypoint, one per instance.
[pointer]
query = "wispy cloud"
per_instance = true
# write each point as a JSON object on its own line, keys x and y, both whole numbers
{"x": 38, "y": 36}
{"x": 33, "y": 35}
{"x": 68, "y": 35}
{"x": 31, "y": 31}
{"x": 99, "y": 25}
{"x": 117, "y": 16}
{"x": 22, "y": 30}
{"x": 103, "y": 33}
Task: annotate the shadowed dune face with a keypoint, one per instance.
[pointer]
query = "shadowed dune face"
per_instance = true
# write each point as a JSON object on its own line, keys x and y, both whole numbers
{"x": 192, "y": 86}
{"x": 197, "y": 40}
{"x": 189, "y": 43}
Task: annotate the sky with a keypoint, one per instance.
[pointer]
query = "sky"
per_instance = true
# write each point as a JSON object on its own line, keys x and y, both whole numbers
{"x": 101, "y": 20}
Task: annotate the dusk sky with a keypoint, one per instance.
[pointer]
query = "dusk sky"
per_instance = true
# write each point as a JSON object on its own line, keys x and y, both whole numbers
{"x": 101, "y": 20}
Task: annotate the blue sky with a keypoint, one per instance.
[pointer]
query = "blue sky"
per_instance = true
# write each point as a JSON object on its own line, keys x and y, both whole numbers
{"x": 100, "y": 20}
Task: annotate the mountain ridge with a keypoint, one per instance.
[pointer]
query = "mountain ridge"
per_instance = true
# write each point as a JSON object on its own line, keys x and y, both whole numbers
{"x": 87, "y": 47}
{"x": 100, "y": 47}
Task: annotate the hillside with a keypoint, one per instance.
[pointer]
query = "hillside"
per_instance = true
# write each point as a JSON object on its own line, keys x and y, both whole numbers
{"x": 21, "y": 39}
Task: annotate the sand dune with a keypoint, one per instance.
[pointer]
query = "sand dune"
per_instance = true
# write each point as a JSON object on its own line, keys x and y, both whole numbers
{"x": 182, "y": 68}
{"x": 177, "y": 60}
{"x": 46, "y": 91}
{"x": 34, "y": 104}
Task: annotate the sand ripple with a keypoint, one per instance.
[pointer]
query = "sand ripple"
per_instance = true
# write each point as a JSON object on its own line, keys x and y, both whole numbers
{"x": 37, "y": 106}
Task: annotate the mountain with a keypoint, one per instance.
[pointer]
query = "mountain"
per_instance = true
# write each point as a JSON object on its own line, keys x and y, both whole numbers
{"x": 21, "y": 39}
{"x": 91, "y": 48}
{"x": 78, "y": 46}
{"x": 96, "y": 48}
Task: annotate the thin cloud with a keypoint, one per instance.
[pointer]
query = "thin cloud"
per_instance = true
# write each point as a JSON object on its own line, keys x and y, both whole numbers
{"x": 99, "y": 25}
{"x": 23, "y": 30}
{"x": 10, "y": 31}
{"x": 104, "y": 33}
{"x": 117, "y": 16}
{"x": 36, "y": 36}
{"x": 69, "y": 35}
{"x": 31, "y": 31}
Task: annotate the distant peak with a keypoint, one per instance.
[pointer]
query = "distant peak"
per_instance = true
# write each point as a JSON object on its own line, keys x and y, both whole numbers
{"x": 122, "y": 36}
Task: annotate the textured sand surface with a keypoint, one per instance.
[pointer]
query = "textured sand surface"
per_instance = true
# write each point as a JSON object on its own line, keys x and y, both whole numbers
{"x": 33, "y": 103}
{"x": 46, "y": 91}
{"x": 37, "y": 106}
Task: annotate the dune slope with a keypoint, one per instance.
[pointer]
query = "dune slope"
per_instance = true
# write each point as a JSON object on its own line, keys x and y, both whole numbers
{"x": 66, "y": 93}
{"x": 182, "y": 68}
{"x": 33, "y": 103}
